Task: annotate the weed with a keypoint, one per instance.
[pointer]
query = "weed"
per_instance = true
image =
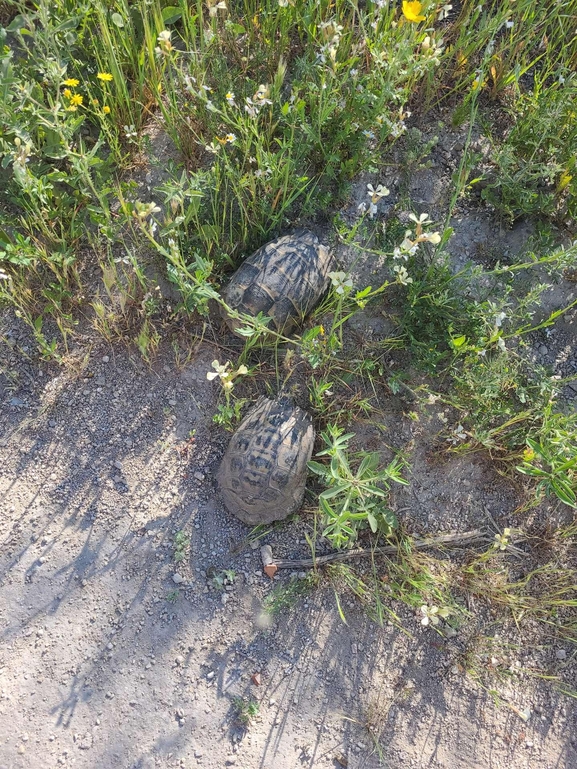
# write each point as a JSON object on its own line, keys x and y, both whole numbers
{"x": 284, "y": 596}
{"x": 181, "y": 545}
{"x": 357, "y": 497}
{"x": 246, "y": 709}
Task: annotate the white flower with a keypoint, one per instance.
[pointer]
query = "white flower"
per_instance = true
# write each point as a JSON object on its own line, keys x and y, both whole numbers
{"x": 431, "y": 614}
{"x": 501, "y": 344}
{"x": 212, "y": 147}
{"x": 3, "y": 275}
{"x": 502, "y": 540}
{"x": 423, "y": 218}
{"x": 499, "y": 318}
{"x": 398, "y": 129}
{"x": 509, "y": 24}
{"x": 432, "y": 237}
{"x": 444, "y": 12}
{"x": 341, "y": 281}
{"x": 219, "y": 371}
{"x": 402, "y": 275}
{"x": 372, "y": 210}
{"x": 214, "y": 7}
{"x": 377, "y": 194}
{"x": 230, "y": 98}
{"x": 164, "y": 45}
{"x": 230, "y": 138}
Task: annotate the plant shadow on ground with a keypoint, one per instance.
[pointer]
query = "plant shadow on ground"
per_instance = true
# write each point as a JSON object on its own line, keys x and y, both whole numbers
{"x": 94, "y": 623}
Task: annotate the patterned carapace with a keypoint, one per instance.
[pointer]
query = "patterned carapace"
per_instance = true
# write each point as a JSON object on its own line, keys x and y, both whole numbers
{"x": 284, "y": 280}
{"x": 263, "y": 472}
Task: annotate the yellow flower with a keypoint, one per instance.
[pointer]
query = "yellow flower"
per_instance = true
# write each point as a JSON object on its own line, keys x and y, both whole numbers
{"x": 72, "y": 108}
{"x": 412, "y": 11}
{"x": 528, "y": 454}
{"x": 106, "y": 76}
{"x": 76, "y": 99}
{"x": 67, "y": 92}
{"x": 106, "y": 109}
{"x": 71, "y": 81}
{"x": 564, "y": 181}
{"x": 95, "y": 102}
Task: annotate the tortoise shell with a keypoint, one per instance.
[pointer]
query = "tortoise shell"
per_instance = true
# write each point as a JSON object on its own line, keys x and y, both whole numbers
{"x": 263, "y": 473}
{"x": 284, "y": 280}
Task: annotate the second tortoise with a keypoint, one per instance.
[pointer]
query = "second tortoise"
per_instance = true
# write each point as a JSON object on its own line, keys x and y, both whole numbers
{"x": 283, "y": 280}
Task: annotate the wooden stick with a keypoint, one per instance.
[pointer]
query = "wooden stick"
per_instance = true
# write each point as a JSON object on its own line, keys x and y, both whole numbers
{"x": 467, "y": 538}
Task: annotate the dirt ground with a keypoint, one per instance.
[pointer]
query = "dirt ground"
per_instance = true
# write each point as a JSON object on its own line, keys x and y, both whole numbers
{"x": 114, "y": 655}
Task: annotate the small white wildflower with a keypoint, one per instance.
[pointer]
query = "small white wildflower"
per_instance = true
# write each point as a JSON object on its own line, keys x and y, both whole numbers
{"x": 362, "y": 207}
{"x": 444, "y": 12}
{"x": 164, "y": 45}
{"x": 130, "y": 132}
{"x": 3, "y": 275}
{"x": 402, "y": 275}
{"x": 230, "y": 98}
{"x": 398, "y": 129}
{"x": 509, "y": 24}
{"x": 499, "y": 318}
{"x": 372, "y": 209}
{"x": 501, "y": 344}
{"x": 212, "y": 148}
{"x": 219, "y": 371}
{"x": 431, "y": 614}
{"x": 214, "y": 7}
{"x": 423, "y": 218}
{"x": 432, "y": 237}
{"x": 341, "y": 281}
{"x": 377, "y": 194}
{"x": 458, "y": 434}
{"x": 230, "y": 138}
{"x": 502, "y": 540}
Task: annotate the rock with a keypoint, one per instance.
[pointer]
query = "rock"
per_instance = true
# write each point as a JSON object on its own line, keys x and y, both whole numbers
{"x": 210, "y": 675}
{"x": 177, "y": 578}
{"x": 179, "y": 659}
{"x": 199, "y": 476}
{"x": 266, "y": 555}
{"x": 543, "y": 350}
{"x": 561, "y": 654}
{"x": 105, "y": 358}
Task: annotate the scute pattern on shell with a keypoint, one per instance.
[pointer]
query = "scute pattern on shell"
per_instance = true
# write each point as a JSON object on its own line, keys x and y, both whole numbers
{"x": 263, "y": 473}
{"x": 284, "y": 280}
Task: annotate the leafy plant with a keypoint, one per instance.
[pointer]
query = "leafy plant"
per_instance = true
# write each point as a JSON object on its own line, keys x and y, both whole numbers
{"x": 246, "y": 709}
{"x": 354, "y": 497}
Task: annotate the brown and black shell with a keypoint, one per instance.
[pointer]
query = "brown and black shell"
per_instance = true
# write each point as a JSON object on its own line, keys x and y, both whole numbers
{"x": 263, "y": 473}
{"x": 284, "y": 280}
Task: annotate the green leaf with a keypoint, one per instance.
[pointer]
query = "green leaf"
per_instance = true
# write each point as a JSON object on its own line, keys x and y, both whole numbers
{"x": 564, "y": 492}
{"x": 340, "y": 610}
{"x": 236, "y": 29}
{"x": 326, "y": 508}
{"x": 170, "y": 14}
{"x": 458, "y": 341}
{"x": 317, "y": 468}
{"x": 330, "y": 493}
{"x": 372, "y": 522}
{"x": 117, "y": 19}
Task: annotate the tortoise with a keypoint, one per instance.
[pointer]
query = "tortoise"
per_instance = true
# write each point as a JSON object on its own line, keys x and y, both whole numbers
{"x": 283, "y": 279}
{"x": 263, "y": 473}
